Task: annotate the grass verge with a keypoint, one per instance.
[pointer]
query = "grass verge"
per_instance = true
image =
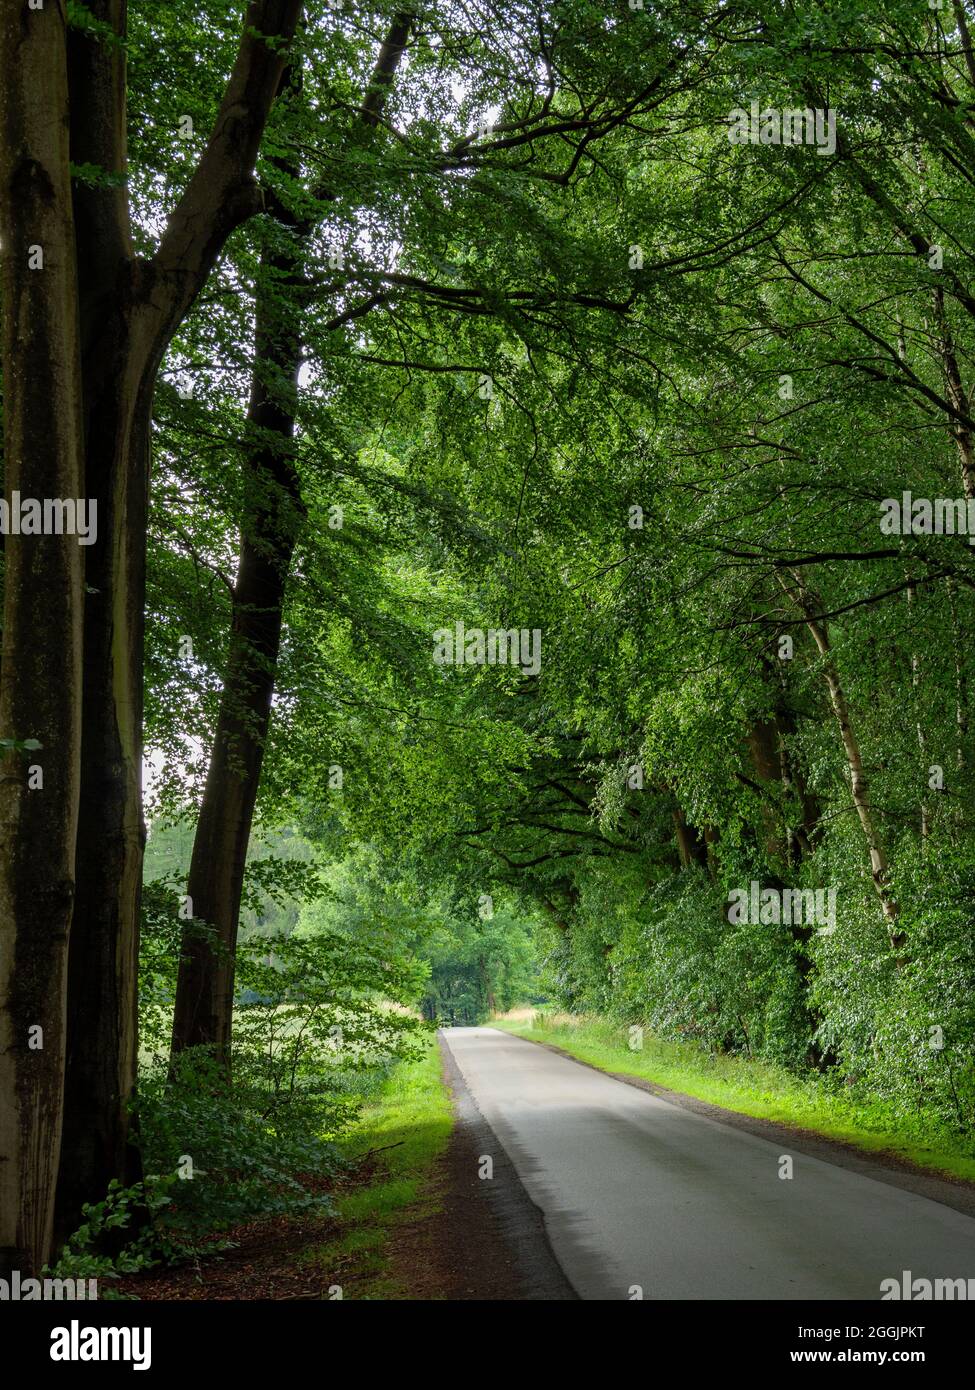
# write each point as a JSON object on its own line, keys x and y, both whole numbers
{"x": 748, "y": 1086}
{"x": 405, "y": 1127}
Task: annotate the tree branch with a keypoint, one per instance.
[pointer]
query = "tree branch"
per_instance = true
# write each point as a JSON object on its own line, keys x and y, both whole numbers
{"x": 223, "y": 192}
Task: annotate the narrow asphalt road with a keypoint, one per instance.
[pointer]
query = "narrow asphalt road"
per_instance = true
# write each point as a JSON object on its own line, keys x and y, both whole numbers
{"x": 638, "y": 1193}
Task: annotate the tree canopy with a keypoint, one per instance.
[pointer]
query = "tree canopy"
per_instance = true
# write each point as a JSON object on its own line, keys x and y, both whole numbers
{"x": 532, "y": 453}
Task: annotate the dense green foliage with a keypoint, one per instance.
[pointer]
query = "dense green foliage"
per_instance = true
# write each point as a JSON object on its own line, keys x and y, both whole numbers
{"x": 577, "y": 364}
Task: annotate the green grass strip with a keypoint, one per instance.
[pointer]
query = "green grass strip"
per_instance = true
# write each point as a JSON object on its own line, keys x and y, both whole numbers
{"x": 409, "y": 1119}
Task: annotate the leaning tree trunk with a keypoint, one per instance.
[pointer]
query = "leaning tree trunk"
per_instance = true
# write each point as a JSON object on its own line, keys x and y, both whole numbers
{"x": 269, "y": 529}
{"x": 40, "y": 689}
{"x": 203, "y": 1014}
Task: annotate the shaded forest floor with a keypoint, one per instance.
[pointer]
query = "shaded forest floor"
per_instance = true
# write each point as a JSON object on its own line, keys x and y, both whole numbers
{"x": 412, "y": 1220}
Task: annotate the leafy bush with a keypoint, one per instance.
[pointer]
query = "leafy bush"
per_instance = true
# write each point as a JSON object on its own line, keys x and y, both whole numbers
{"x": 322, "y": 1013}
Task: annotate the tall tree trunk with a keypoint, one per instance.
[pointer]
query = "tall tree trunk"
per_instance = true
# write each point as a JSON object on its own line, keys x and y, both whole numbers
{"x": 102, "y": 995}
{"x": 269, "y": 529}
{"x": 119, "y": 360}
{"x": 203, "y": 1014}
{"x": 129, "y": 311}
{"x": 40, "y": 689}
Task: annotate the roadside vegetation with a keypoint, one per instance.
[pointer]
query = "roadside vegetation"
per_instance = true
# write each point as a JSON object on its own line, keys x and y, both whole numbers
{"x": 396, "y": 1141}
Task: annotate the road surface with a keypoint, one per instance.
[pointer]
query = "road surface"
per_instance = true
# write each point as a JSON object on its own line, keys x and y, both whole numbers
{"x": 641, "y": 1197}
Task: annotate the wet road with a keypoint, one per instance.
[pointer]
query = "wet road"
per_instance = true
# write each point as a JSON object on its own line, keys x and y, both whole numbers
{"x": 644, "y": 1198}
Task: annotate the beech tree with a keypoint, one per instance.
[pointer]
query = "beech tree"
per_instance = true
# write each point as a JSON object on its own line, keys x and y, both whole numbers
{"x": 203, "y": 1011}
{"x": 87, "y": 322}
